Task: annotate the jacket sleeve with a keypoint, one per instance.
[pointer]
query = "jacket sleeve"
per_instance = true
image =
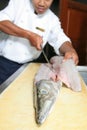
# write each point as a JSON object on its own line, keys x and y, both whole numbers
{"x": 57, "y": 36}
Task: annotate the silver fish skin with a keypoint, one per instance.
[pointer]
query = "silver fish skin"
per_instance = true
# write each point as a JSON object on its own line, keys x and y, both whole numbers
{"x": 45, "y": 94}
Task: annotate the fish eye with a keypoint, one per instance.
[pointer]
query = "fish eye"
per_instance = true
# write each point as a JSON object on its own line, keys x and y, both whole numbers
{"x": 43, "y": 91}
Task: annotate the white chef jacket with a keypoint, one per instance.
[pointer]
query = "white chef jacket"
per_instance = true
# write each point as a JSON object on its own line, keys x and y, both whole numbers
{"x": 21, "y": 13}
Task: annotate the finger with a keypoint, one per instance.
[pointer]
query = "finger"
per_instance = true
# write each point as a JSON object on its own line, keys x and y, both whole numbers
{"x": 39, "y": 47}
{"x": 76, "y": 61}
{"x": 71, "y": 56}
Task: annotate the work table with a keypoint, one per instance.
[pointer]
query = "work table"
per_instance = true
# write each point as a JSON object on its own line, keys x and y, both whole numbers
{"x": 17, "y": 111}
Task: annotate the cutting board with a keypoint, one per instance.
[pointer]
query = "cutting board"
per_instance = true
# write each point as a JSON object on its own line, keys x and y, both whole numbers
{"x": 17, "y": 111}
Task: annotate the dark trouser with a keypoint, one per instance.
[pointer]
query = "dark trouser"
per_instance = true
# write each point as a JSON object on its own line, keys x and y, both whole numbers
{"x": 7, "y": 68}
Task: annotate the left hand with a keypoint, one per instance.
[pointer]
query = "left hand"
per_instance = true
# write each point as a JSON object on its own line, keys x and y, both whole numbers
{"x": 69, "y": 52}
{"x": 72, "y": 55}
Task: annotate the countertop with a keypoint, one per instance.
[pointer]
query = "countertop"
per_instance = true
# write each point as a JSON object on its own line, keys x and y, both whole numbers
{"x": 17, "y": 111}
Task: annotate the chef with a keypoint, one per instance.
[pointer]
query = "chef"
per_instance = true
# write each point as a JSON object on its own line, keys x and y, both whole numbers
{"x": 26, "y": 26}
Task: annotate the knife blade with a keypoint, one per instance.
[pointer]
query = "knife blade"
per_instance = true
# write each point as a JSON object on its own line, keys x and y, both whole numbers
{"x": 45, "y": 56}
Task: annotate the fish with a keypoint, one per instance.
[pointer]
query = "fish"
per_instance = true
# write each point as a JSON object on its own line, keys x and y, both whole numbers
{"x": 67, "y": 72}
{"x": 45, "y": 95}
{"x": 46, "y": 88}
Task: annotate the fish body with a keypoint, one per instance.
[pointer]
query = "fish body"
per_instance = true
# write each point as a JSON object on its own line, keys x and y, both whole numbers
{"x": 46, "y": 89}
{"x": 67, "y": 72}
{"x": 45, "y": 94}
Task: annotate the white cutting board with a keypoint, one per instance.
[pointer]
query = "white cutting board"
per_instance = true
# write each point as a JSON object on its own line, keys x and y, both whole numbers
{"x": 17, "y": 111}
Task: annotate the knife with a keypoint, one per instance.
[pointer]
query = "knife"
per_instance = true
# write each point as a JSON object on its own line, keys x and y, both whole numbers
{"x": 49, "y": 64}
{"x": 45, "y": 56}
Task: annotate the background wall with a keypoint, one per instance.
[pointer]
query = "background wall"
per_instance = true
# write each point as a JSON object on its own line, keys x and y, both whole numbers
{"x": 82, "y": 1}
{"x": 55, "y": 6}
{"x": 3, "y": 4}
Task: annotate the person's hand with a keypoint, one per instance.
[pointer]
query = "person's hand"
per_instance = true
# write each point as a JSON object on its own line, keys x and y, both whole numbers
{"x": 69, "y": 52}
{"x": 36, "y": 40}
{"x": 71, "y": 55}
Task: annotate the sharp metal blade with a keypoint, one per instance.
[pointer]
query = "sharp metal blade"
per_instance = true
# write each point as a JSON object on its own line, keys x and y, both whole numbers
{"x": 45, "y": 56}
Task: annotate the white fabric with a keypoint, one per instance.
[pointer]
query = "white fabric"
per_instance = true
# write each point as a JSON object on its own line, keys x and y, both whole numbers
{"x": 21, "y": 13}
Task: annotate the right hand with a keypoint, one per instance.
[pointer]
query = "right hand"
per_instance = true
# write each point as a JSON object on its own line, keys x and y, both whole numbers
{"x": 36, "y": 40}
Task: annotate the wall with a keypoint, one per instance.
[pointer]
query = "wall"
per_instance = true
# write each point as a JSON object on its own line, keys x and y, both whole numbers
{"x": 82, "y": 1}
{"x": 3, "y": 4}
